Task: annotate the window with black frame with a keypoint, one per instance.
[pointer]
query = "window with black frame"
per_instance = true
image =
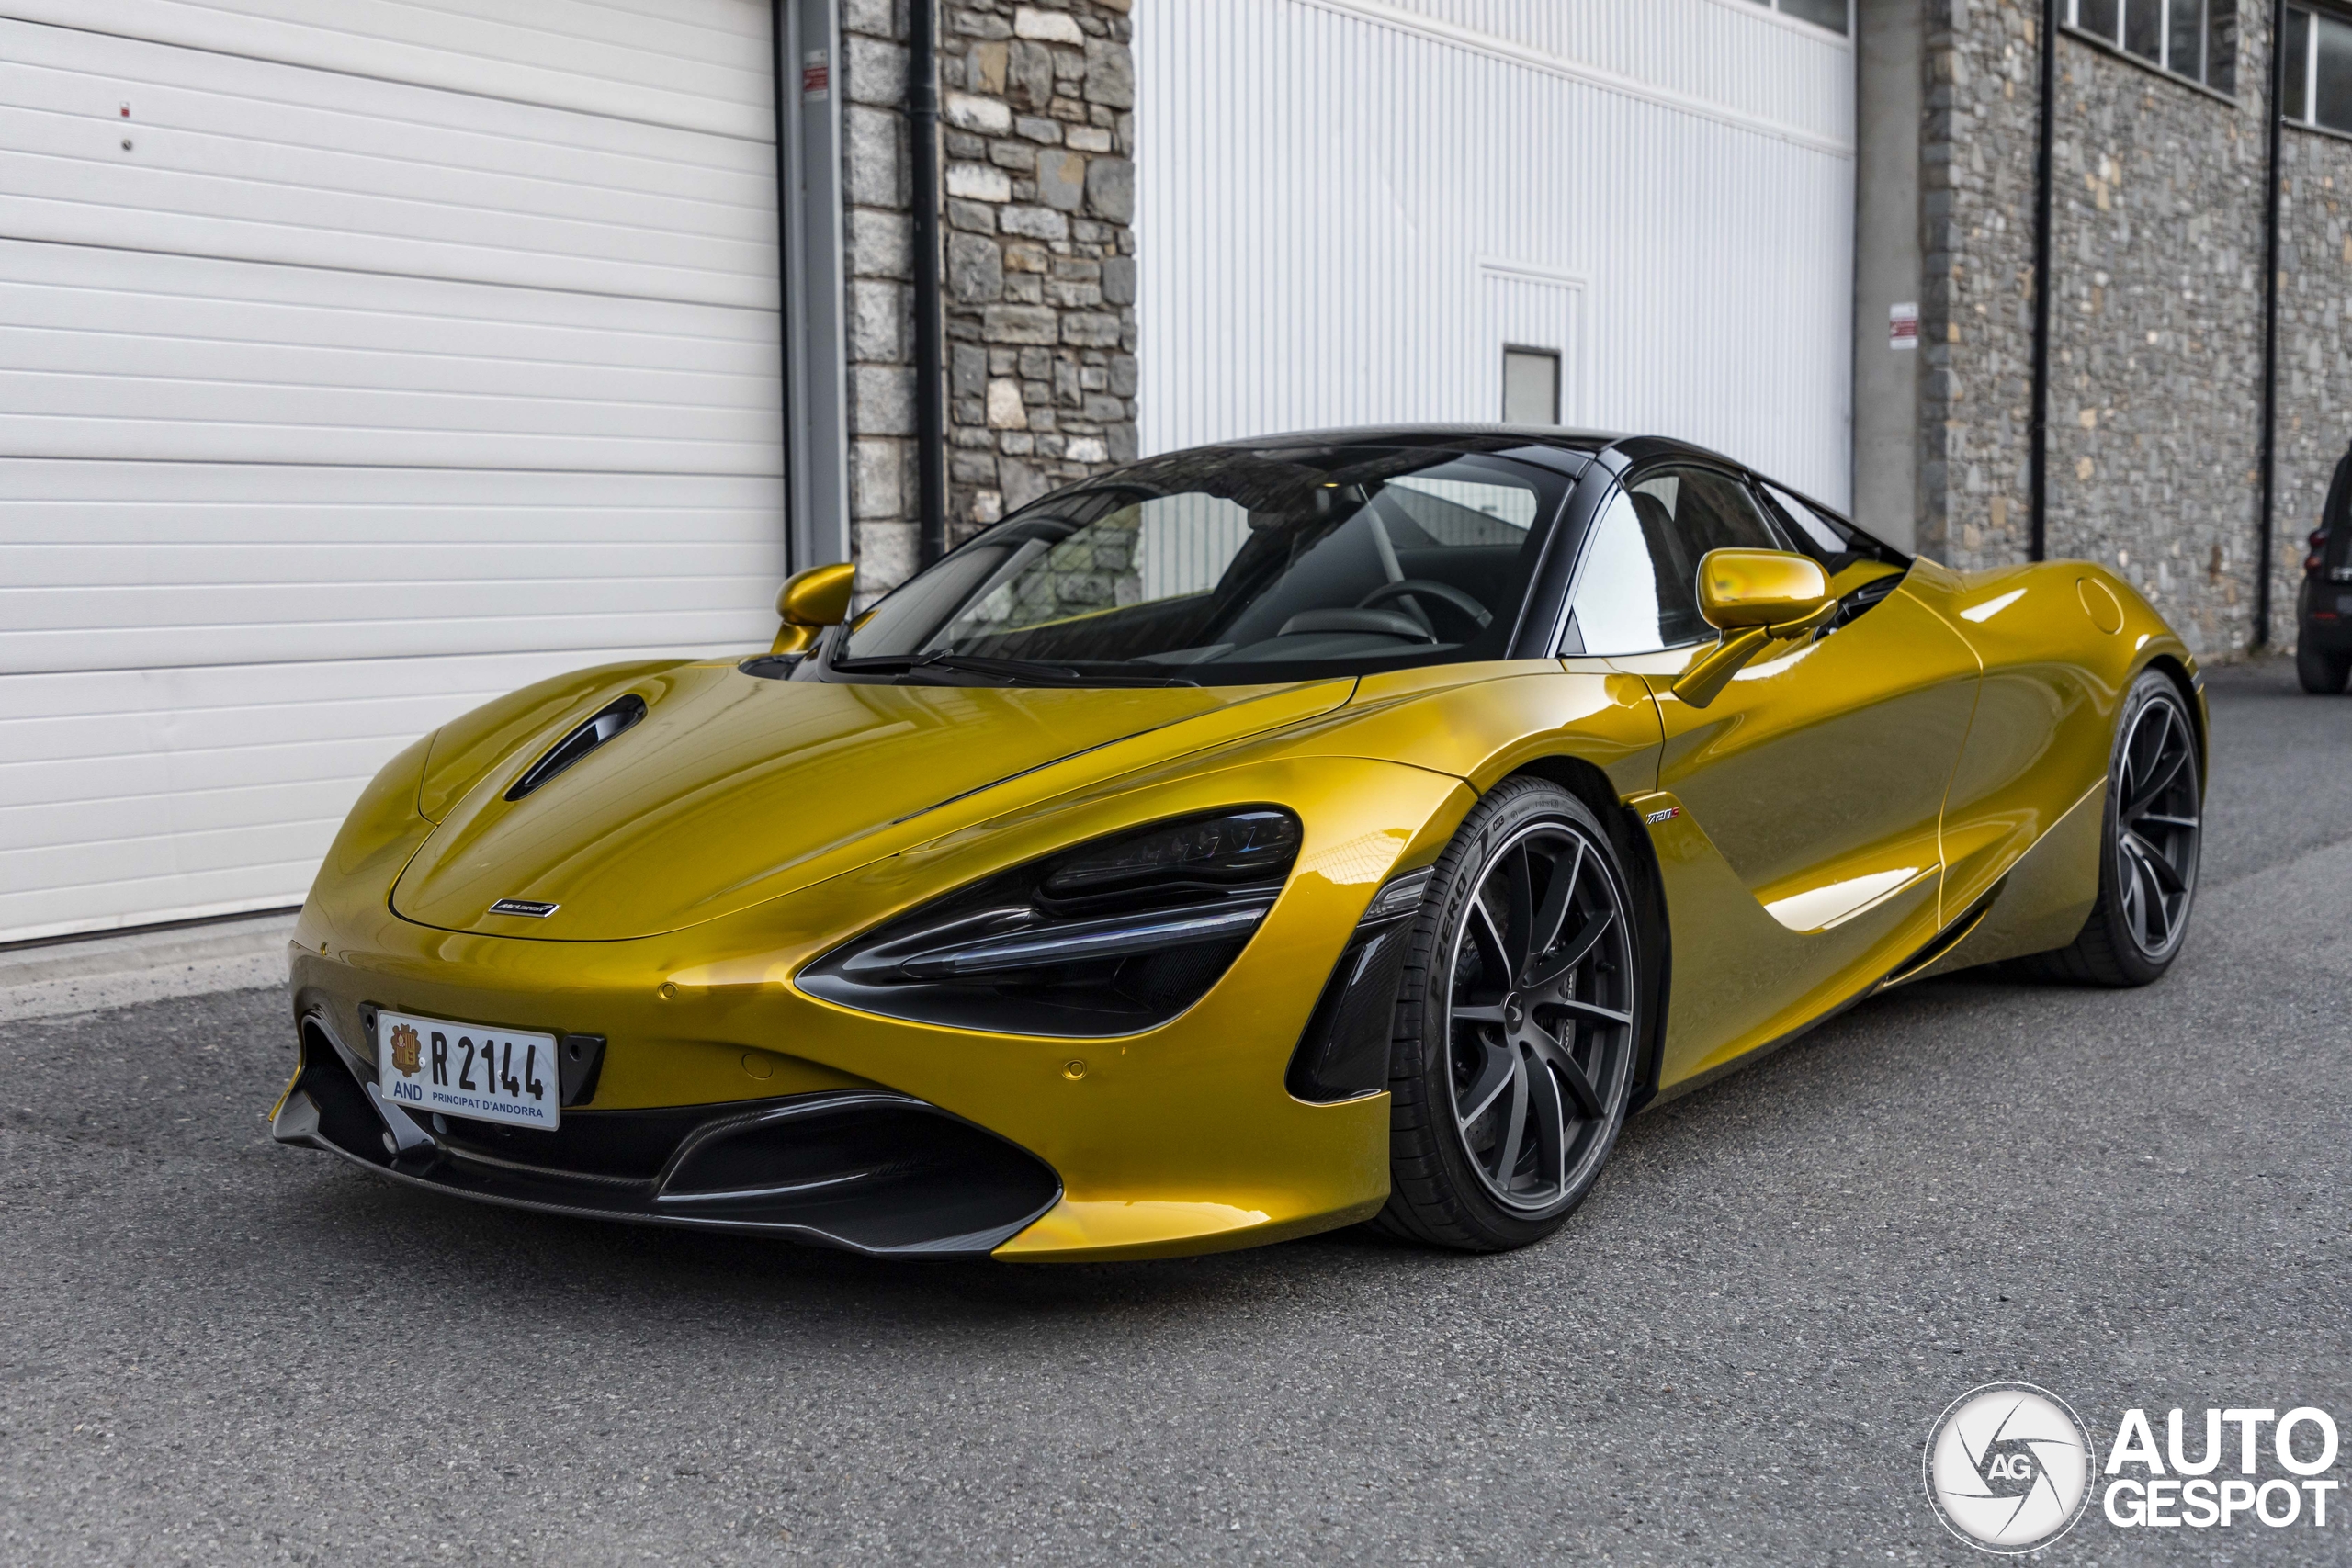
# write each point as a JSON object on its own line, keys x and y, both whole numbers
{"x": 1835, "y": 15}
{"x": 2316, "y": 89}
{"x": 2194, "y": 39}
{"x": 1228, "y": 566}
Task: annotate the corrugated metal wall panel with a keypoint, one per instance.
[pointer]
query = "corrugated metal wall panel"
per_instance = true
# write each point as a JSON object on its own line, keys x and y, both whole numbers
{"x": 698, "y": 65}
{"x": 123, "y": 565}
{"x": 257, "y": 161}
{"x": 1325, "y": 186}
{"x": 1734, "y": 55}
{"x": 204, "y": 790}
{"x": 434, "y": 352}
{"x": 106, "y": 353}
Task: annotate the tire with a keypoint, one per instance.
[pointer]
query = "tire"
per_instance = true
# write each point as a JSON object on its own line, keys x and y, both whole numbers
{"x": 2148, "y": 847}
{"x": 1535, "y": 1034}
{"x": 2323, "y": 674}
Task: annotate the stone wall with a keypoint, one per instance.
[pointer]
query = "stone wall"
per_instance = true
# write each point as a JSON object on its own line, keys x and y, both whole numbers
{"x": 1038, "y": 141}
{"x": 2315, "y": 352}
{"x": 2156, "y": 396}
{"x": 2156, "y": 373}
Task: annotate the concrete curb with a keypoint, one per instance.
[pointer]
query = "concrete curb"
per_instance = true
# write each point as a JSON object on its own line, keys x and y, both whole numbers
{"x": 59, "y": 979}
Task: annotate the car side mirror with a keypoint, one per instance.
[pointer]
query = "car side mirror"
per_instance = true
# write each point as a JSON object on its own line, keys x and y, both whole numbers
{"x": 1753, "y": 597}
{"x": 810, "y": 602}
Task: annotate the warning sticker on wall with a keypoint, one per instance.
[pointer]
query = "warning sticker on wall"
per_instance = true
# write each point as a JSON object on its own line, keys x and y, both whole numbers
{"x": 1902, "y": 326}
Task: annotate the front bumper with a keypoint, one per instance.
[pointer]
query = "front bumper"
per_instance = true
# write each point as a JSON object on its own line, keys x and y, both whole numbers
{"x": 1183, "y": 1138}
{"x": 861, "y": 1169}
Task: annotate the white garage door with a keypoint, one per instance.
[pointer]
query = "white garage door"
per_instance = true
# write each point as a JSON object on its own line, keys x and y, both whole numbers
{"x": 359, "y": 359}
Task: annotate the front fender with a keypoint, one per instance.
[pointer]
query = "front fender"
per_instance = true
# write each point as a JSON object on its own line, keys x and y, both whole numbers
{"x": 1181, "y": 1138}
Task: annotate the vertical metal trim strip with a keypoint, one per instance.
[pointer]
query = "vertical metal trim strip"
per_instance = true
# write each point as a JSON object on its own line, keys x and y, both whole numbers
{"x": 931, "y": 413}
{"x": 788, "y": 96}
{"x": 2044, "y": 210}
{"x": 2273, "y": 105}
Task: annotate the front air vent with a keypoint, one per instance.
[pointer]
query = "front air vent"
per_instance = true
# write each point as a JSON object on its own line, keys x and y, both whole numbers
{"x": 1112, "y": 937}
{"x": 593, "y": 732}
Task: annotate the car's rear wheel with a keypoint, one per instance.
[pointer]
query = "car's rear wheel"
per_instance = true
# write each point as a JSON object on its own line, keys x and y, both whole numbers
{"x": 1519, "y": 1018}
{"x": 2148, "y": 867}
{"x": 2321, "y": 672}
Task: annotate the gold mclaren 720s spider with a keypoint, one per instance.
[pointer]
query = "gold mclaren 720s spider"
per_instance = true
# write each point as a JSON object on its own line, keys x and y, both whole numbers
{"x": 1271, "y": 837}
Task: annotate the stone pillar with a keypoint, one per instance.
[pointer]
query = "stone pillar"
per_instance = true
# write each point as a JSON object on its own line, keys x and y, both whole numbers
{"x": 1037, "y": 132}
{"x": 1976, "y": 159}
{"x": 878, "y": 310}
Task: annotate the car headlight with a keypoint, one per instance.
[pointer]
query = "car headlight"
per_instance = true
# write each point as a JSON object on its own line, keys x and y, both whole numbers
{"x": 1112, "y": 937}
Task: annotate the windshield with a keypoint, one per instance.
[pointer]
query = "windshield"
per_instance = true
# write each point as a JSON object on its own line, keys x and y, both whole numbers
{"x": 1229, "y": 566}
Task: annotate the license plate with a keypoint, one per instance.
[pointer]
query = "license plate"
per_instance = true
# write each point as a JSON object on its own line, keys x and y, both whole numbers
{"x": 430, "y": 1064}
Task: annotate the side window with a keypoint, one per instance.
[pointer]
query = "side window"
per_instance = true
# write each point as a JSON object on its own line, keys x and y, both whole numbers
{"x": 1829, "y": 539}
{"x": 1807, "y": 529}
{"x": 1627, "y": 574}
{"x": 1709, "y": 512}
{"x": 1637, "y": 591}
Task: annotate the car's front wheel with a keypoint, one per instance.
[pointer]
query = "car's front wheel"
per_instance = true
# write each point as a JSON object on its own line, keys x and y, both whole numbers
{"x": 1519, "y": 1021}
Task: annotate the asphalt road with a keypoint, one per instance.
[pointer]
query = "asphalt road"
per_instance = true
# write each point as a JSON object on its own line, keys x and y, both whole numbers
{"x": 216, "y": 1350}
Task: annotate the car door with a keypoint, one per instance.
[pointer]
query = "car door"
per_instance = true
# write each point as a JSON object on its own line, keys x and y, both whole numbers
{"x": 1811, "y": 789}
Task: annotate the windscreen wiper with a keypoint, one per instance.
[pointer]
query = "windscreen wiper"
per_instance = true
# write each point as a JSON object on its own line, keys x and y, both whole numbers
{"x": 1009, "y": 670}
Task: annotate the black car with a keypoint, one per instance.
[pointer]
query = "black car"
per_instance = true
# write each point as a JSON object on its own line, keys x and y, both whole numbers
{"x": 2324, "y": 609}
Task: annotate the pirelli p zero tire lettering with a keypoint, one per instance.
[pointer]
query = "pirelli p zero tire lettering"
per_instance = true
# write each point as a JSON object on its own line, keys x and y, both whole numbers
{"x": 2147, "y": 878}
{"x": 1517, "y": 1027}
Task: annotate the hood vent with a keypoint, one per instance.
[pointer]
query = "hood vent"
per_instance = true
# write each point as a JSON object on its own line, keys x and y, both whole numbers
{"x": 600, "y": 726}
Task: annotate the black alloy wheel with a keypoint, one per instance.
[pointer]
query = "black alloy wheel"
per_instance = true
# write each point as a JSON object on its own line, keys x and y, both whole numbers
{"x": 2148, "y": 873}
{"x": 1518, "y": 1017}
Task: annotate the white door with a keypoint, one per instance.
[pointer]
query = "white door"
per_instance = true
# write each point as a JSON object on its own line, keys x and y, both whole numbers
{"x": 359, "y": 359}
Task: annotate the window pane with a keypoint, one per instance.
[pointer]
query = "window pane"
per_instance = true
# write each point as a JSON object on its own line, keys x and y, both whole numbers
{"x": 2187, "y": 44}
{"x": 1245, "y": 566}
{"x": 1683, "y": 513}
{"x": 1830, "y": 14}
{"x": 1183, "y": 543}
{"x": 1709, "y": 512}
{"x": 1531, "y": 387}
{"x": 2144, "y": 27}
{"x": 2097, "y": 16}
{"x": 2221, "y": 45}
{"x": 1811, "y": 533}
{"x": 1626, "y": 568}
{"x": 2332, "y": 86}
{"x": 1466, "y": 511}
{"x": 2297, "y": 64}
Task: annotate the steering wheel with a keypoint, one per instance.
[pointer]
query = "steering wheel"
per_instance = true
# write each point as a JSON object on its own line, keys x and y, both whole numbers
{"x": 1444, "y": 593}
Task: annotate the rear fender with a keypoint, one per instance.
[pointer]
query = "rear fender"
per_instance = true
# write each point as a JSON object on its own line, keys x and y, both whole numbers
{"x": 2060, "y": 644}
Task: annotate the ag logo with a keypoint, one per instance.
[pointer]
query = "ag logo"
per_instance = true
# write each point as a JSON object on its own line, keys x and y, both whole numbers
{"x": 2008, "y": 1467}
{"x": 408, "y": 1052}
